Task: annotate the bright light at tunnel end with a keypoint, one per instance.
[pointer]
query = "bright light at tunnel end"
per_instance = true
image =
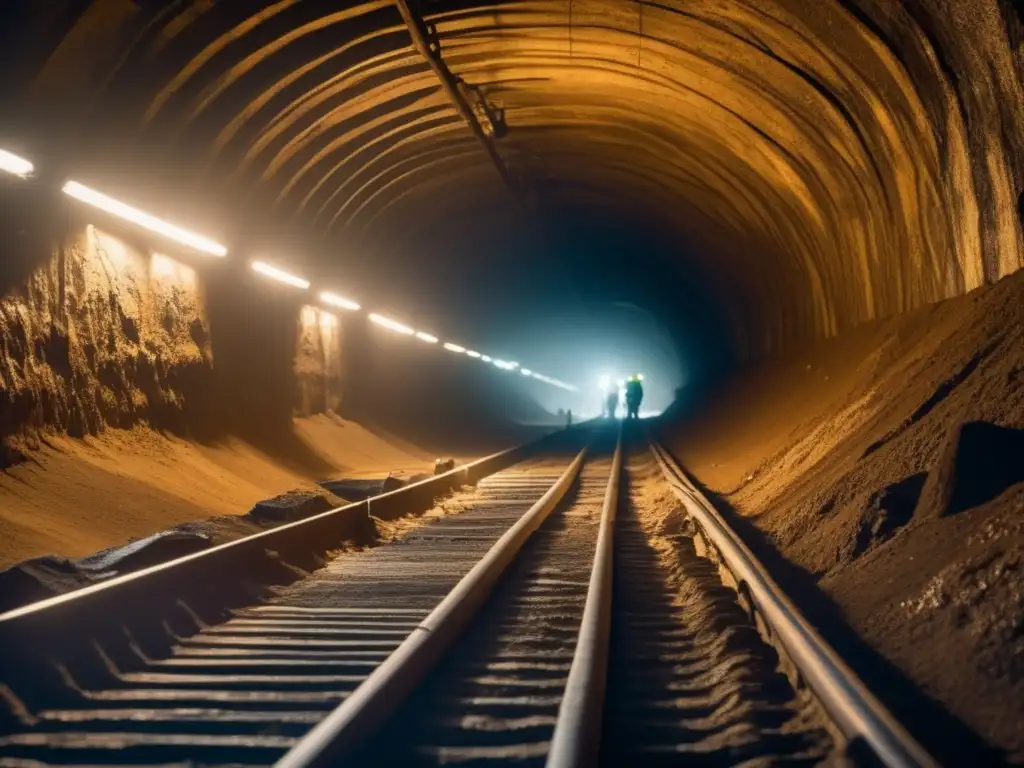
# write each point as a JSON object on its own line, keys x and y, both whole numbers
{"x": 280, "y": 275}
{"x": 96, "y": 199}
{"x": 14, "y": 165}
{"x": 339, "y": 301}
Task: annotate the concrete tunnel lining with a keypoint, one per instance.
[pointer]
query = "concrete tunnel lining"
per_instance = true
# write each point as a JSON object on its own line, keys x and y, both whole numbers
{"x": 821, "y": 164}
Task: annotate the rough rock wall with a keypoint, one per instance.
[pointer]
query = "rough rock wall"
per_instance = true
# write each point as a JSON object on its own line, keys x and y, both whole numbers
{"x": 105, "y": 333}
{"x": 965, "y": 64}
{"x": 102, "y": 334}
{"x": 318, "y": 362}
{"x": 879, "y": 147}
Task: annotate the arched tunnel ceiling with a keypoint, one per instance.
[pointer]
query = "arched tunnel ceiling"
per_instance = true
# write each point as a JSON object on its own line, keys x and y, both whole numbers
{"x": 819, "y": 163}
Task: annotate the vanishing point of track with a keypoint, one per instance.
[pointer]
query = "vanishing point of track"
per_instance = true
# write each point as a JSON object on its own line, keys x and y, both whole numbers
{"x": 547, "y": 623}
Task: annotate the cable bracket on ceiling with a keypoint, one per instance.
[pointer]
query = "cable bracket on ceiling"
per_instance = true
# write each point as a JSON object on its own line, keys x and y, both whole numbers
{"x": 486, "y": 120}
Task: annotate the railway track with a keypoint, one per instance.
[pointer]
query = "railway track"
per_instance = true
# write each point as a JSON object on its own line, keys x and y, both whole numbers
{"x": 551, "y": 622}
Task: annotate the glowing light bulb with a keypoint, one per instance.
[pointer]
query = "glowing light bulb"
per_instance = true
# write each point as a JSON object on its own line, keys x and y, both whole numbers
{"x": 391, "y": 325}
{"x": 152, "y": 223}
{"x": 18, "y": 166}
{"x": 280, "y": 275}
{"x": 338, "y": 301}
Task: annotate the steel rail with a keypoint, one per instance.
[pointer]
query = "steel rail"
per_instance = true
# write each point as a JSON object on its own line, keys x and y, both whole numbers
{"x": 863, "y": 721}
{"x": 36, "y": 635}
{"x": 576, "y": 741}
{"x": 344, "y": 730}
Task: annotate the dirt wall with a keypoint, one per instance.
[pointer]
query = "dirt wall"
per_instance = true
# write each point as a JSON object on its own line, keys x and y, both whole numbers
{"x": 102, "y": 334}
{"x": 886, "y": 468}
{"x": 318, "y": 366}
{"x": 105, "y": 333}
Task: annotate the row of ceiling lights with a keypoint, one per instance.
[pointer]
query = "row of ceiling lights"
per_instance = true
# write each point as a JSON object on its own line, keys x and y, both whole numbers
{"x": 18, "y": 166}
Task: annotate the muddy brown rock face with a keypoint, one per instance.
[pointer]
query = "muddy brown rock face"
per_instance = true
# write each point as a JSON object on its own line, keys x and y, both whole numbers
{"x": 102, "y": 335}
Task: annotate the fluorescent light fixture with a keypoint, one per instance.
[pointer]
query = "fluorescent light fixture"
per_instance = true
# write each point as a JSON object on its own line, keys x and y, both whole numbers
{"x": 338, "y": 301}
{"x": 430, "y": 339}
{"x": 555, "y": 382}
{"x": 473, "y": 353}
{"x": 279, "y": 274}
{"x": 18, "y": 166}
{"x": 486, "y": 359}
{"x": 453, "y": 347}
{"x": 506, "y": 365}
{"x": 526, "y": 372}
{"x": 391, "y": 325}
{"x": 135, "y": 216}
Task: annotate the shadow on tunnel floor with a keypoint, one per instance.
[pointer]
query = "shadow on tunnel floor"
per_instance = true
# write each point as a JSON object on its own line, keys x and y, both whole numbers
{"x": 457, "y": 439}
{"x": 945, "y": 736}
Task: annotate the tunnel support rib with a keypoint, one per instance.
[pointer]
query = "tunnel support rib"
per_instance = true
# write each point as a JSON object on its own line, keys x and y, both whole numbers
{"x": 486, "y": 122}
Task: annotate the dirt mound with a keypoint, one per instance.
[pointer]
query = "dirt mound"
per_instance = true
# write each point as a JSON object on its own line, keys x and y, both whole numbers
{"x": 888, "y": 510}
{"x": 38, "y": 579}
{"x": 294, "y": 505}
{"x": 977, "y": 462}
{"x": 356, "y": 489}
{"x": 74, "y": 497}
{"x": 49, "y": 575}
{"x": 888, "y": 467}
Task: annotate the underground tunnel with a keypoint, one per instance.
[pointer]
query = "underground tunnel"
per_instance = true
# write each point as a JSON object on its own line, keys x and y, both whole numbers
{"x": 253, "y": 249}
